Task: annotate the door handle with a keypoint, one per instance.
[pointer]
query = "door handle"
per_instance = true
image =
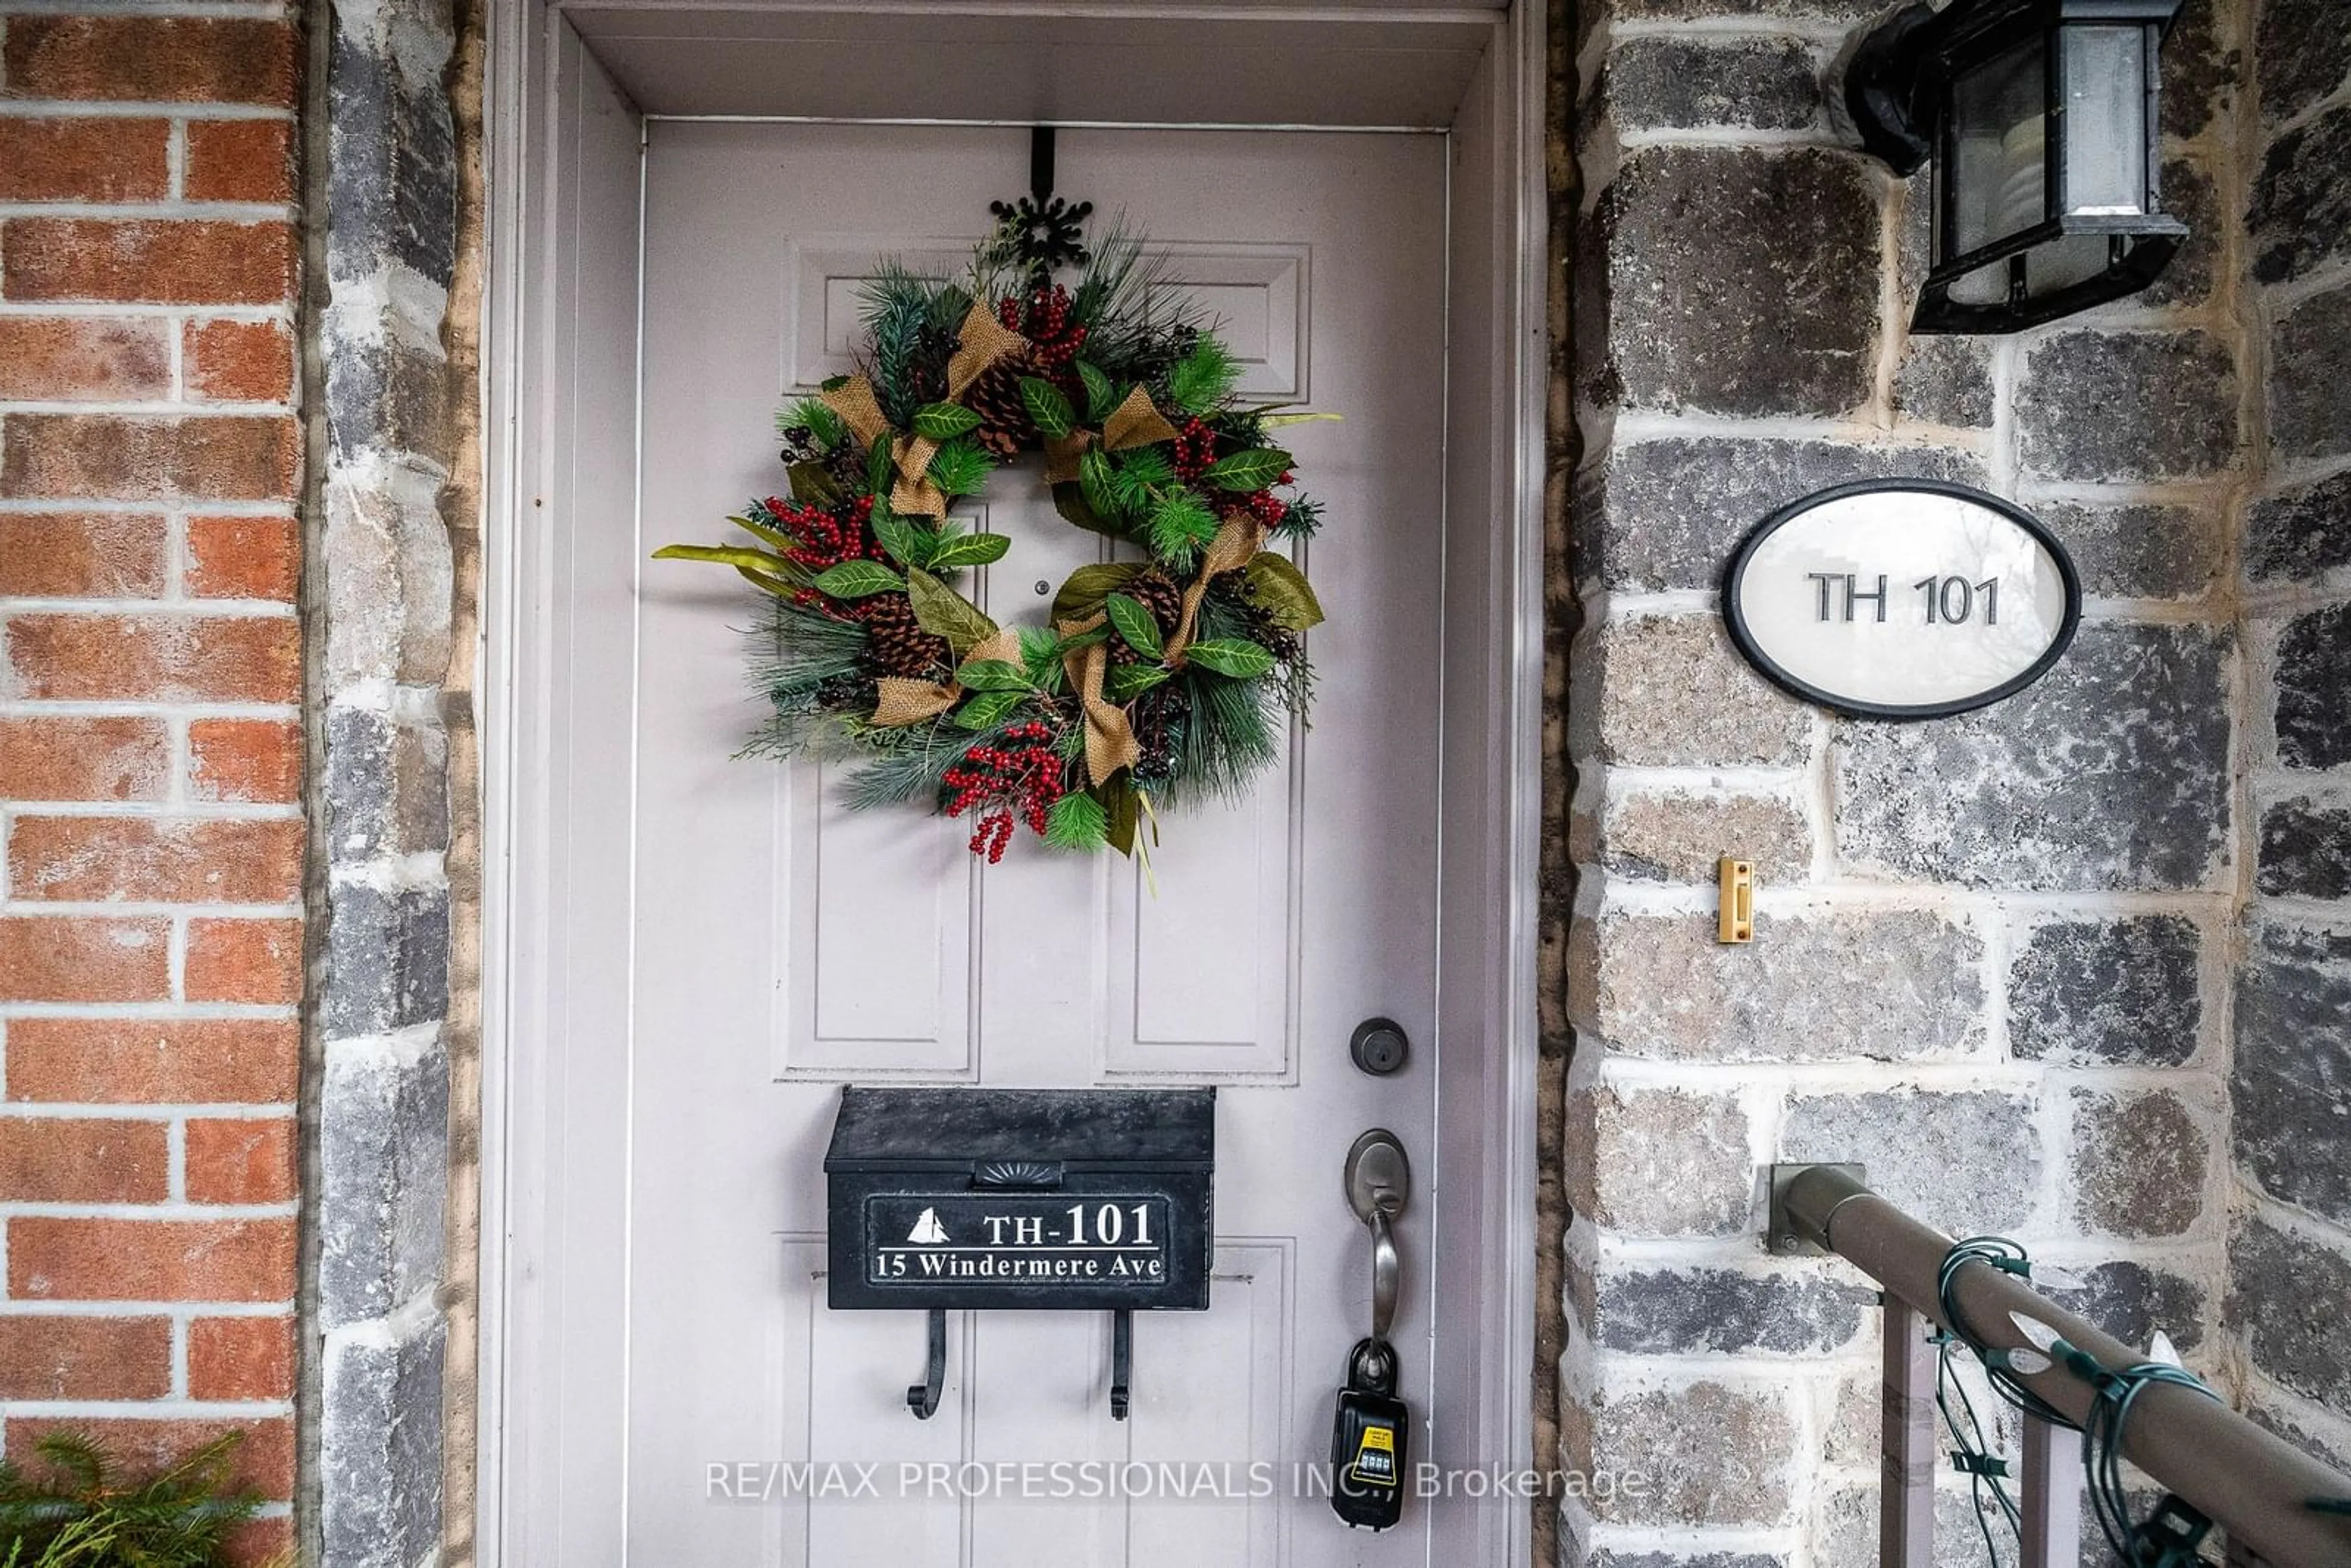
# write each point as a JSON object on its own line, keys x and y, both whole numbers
{"x": 1379, "y": 1185}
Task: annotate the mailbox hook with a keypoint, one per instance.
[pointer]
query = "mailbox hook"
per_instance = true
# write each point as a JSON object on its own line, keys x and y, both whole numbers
{"x": 1121, "y": 1361}
{"x": 922, "y": 1398}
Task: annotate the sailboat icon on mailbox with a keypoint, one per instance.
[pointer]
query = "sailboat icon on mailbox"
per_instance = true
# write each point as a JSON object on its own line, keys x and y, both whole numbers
{"x": 927, "y": 1229}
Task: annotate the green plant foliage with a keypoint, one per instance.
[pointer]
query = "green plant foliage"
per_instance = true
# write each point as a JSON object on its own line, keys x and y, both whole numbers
{"x": 943, "y": 613}
{"x": 1102, "y": 393}
{"x": 812, "y": 484}
{"x": 945, "y": 420}
{"x": 1083, "y": 590}
{"x": 989, "y": 710}
{"x": 967, "y": 549}
{"x": 1280, "y": 590}
{"x": 1181, "y": 525}
{"x": 74, "y": 1509}
{"x": 1097, "y": 479}
{"x": 1048, "y": 406}
{"x": 1203, "y": 378}
{"x": 1244, "y": 471}
{"x": 1134, "y": 625}
{"x": 1129, "y": 681}
{"x": 1231, "y": 657}
{"x": 896, "y": 305}
{"x": 1076, "y": 822}
{"x": 961, "y": 468}
{"x": 815, "y": 416}
{"x": 993, "y": 676}
{"x": 857, "y": 579}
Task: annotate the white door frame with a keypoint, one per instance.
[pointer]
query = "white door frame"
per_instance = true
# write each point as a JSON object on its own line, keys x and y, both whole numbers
{"x": 1493, "y": 757}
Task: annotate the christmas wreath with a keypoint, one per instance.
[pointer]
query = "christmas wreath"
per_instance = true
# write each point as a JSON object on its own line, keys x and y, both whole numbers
{"x": 1155, "y": 681}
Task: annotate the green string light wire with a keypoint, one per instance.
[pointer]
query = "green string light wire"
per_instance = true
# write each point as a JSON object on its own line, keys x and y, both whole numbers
{"x": 1998, "y": 1252}
{"x": 1973, "y": 1452}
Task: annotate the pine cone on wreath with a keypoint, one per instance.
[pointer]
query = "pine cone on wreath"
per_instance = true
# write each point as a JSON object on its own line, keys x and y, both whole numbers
{"x": 895, "y": 642}
{"x": 1004, "y": 427}
{"x": 1158, "y": 592}
{"x": 1156, "y": 716}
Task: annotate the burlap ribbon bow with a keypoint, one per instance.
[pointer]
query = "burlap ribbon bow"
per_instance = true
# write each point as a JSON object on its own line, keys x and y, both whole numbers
{"x": 1135, "y": 423}
{"x": 1111, "y": 744}
{"x": 903, "y": 700}
{"x": 983, "y": 342}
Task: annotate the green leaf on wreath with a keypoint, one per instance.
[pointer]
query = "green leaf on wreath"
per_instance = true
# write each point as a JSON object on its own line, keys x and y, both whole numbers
{"x": 857, "y": 579}
{"x": 767, "y": 584}
{"x": 1083, "y": 590}
{"x": 1251, "y": 470}
{"x": 1097, "y": 480}
{"x": 908, "y": 545}
{"x": 1230, "y": 656}
{"x": 969, "y": 550}
{"x": 742, "y": 556}
{"x": 1070, "y": 501}
{"x": 1180, "y": 524}
{"x": 1102, "y": 396}
{"x": 1076, "y": 822}
{"x": 943, "y": 613}
{"x": 993, "y": 676}
{"x": 877, "y": 468}
{"x": 1134, "y": 624}
{"x": 813, "y": 484}
{"x": 1201, "y": 379}
{"x": 943, "y": 420}
{"x": 1280, "y": 590}
{"x": 961, "y": 468}
{"x": 1047, "y": 407}
{"x": 1128, "y": 682}
{"x": 1124, "y": 808}
{"x": 776, "y": 537}
{"x": 988, "y": 709}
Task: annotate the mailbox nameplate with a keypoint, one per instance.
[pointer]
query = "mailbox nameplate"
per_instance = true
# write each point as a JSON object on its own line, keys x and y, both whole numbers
{"x": 1108, "y": 1240}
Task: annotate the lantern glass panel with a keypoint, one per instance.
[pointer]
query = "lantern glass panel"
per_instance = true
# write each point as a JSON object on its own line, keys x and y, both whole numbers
{"x": 2104, "y": 87}
{"x": 1998, "y": 163}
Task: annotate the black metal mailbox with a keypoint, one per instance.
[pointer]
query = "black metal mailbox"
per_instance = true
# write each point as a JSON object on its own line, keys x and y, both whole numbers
{"x": 1099, "y": 1200}
{"x": 1051, "y": 1199}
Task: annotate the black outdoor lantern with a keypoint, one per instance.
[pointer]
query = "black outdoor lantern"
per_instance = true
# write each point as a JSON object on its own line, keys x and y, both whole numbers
{"x": 2041, "y": 119}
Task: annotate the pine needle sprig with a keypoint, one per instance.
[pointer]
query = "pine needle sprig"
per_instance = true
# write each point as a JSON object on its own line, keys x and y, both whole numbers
{"x": 906, "y": 764}
{"x": 896, "y": 305}
{"x": 1130, "y": 310}
{"x": 802, "y": 648}
{"x": 79, "y": 1514}
{"x": 1228, "y": 735}
{"x": 1300, "y": 521}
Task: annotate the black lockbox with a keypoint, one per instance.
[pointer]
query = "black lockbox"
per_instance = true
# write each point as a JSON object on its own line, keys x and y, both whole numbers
{"x": 1055, "y": 1200}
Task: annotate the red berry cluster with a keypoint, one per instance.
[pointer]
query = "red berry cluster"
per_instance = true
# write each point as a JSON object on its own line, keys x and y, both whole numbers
{"x": 1266, "y": 507}
{"x": 828, "y": 536}
{"x": 1195, "y": 449}
{"x": 1043, "y": 318}
{"x": 1005, "y": 780}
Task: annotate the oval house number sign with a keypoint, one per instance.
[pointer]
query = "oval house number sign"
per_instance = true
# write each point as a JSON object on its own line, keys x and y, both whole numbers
{"x": 1904, "y": 598}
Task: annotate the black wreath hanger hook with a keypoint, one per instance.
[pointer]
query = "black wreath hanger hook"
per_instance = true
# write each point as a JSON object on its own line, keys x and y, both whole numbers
{"x": 1046, "y": 230}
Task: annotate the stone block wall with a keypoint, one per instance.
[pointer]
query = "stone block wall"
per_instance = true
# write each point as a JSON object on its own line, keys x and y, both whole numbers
{"x": 150, "y": 754}
{"x": 1992, "y": 952}
{"x": 2290, "y": 1077}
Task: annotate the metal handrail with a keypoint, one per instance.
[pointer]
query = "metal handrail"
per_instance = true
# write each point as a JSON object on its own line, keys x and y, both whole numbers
{"x": 2255, "y": 1486}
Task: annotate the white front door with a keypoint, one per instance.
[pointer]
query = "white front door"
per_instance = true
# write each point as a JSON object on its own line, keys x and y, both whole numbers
{"x": 780, "y": 946}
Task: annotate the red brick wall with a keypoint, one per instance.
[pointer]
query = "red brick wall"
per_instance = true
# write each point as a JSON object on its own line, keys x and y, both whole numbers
{"x": 150, "y": 750}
